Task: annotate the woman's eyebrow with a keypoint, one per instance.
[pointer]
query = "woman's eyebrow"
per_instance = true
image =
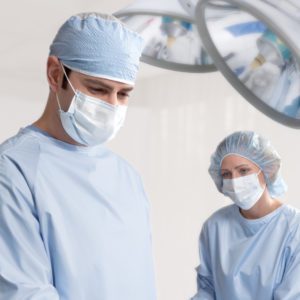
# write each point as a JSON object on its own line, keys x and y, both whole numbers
{"x": 242, "y": 165}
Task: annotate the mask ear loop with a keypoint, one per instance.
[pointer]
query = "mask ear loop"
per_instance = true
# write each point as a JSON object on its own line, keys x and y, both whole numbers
{"x": 57, "y": 99}
{"x": 63, "y": 68}
{"x": 260, "y": 171}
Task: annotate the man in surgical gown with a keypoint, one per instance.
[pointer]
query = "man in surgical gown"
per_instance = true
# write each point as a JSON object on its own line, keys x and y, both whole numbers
{"x": 242, "y": 257}
{"x": 74, "y": 221}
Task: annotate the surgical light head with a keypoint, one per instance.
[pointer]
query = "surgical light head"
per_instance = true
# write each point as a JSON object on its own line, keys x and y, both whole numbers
{"x": 171, "y": 37}
{"x": 255, "y": 44}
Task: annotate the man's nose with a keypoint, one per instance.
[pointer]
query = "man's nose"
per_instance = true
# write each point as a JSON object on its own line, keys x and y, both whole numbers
{"x": 112, "y": 98}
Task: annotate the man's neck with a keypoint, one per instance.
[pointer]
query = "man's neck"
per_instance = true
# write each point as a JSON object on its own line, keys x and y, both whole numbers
{"x": 51, "y": 123}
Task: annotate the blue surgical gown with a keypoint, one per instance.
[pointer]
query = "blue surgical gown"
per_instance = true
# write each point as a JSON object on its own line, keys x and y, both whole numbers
{"x": 74, "y": 223}
{"x": 242, "y": 259}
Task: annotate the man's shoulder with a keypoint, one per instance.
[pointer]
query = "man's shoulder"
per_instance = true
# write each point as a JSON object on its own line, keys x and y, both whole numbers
{"x": 19, "y": 145}
{"x": 122, "y": 161}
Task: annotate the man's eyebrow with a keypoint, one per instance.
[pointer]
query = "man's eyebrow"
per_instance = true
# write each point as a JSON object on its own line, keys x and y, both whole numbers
{"x": 110, "y": 88}
{"x": 99, "y": 83}
{"x": 127, "y": 89}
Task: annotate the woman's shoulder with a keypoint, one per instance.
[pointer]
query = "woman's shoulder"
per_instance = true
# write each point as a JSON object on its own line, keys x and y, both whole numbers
{"x": 292, "y": 216}
{"x": 222, "y": 214}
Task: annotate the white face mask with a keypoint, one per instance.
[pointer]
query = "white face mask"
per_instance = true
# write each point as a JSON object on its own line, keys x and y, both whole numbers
{"x": 244, "y": 191}
{"x": 91, "y": 121}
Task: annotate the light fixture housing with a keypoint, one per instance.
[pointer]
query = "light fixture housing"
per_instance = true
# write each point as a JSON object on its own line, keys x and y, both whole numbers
{"x": 256, "y": 45}
{"x": 190, "y": 6}
{"x": 172, "y": 40}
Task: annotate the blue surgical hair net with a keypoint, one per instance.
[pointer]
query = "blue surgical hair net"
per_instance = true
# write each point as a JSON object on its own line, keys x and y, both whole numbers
{"x": 255, "y": 148}
{"x": 99, "y": 45}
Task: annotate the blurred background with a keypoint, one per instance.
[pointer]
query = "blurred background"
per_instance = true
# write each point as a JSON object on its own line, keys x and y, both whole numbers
{"x": 174, "y": 123}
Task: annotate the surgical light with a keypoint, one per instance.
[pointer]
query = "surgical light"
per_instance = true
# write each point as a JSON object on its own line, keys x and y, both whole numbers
{"x": 172, "y": 40}
{"x": 256, "y": 45}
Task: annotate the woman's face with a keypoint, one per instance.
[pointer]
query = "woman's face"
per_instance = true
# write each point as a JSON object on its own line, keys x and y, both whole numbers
{"x": 234, "y": 166}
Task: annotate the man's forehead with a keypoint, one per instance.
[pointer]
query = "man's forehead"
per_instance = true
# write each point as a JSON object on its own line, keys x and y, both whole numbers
{"x": 104, "y": 82}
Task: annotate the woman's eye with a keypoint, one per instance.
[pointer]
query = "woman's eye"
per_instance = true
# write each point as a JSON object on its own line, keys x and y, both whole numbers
{"x": 225, "y": 175}
{"x": 244, "y": 171}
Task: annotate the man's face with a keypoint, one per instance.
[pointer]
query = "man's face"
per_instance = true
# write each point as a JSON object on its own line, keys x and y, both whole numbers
{"x": 112, "y": 92}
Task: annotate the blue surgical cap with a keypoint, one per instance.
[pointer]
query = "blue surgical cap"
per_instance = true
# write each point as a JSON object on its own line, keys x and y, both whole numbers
{"x": 99, "y": 45}
{"x": 255, "y": 148}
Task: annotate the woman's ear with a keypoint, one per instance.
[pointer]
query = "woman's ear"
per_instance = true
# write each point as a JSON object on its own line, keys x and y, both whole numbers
{"x": 263, "y": 178}
{"x": 54, "y": 73}
{"x": 273, "y": 172}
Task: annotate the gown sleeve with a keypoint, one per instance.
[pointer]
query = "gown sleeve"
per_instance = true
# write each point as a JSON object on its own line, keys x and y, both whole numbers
{"x": 25, "y": 268}
{"x": 289, "y": 287}
{"x": 204, "y": 273}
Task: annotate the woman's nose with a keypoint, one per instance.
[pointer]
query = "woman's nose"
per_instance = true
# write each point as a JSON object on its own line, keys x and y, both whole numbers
{"x": 235, "y": 174}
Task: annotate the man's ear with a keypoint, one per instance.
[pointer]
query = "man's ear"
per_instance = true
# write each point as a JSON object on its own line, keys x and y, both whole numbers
{"x": 54, "y": 73}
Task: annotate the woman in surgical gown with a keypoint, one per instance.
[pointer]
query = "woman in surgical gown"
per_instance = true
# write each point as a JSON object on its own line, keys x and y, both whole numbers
{"x": 249, "y": 250}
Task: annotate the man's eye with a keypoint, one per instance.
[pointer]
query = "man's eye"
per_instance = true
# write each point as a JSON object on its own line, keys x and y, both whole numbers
{"x": 123, "y": 95}
{"x": 98, "y": 90}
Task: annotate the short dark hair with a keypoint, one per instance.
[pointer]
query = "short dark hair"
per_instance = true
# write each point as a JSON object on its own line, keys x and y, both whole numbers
{"x": 65, "y": 81}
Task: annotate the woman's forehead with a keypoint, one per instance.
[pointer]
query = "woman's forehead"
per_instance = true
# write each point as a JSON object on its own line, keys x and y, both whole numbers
{"x": 234, "y": 160}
